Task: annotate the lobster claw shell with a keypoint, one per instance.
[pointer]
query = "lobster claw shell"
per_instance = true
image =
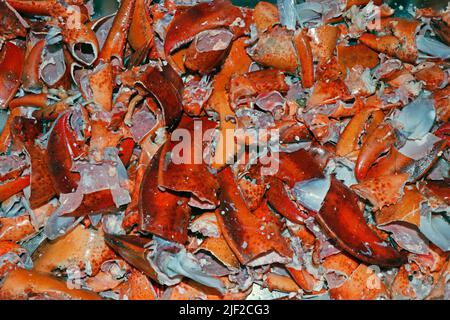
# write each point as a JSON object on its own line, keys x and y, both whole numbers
{"x": 62, "y": 148}
{"x": 66, "y": 144}
{"x": 328, "y": 92}
{"x": 140, "y": 33}
{"x": 138, "y": 287}
{"x": 204, "y": 16}
{"x": 406, "y": 31}
{"x": 297, "y": 166}
{"x": 275, "y": 49}
{"x": 82, "y": 44}
{"x": 342, "y": 219}
{"x": 433, "y": 77}
{"x": 164, "y": 214}
{"x": 351, "y": 3}
{"x": 13, "y": 172}
{"x": 348, "y": 142}
{"x": 339, "y": 215}
{"x": 323, "y": 42}
{"x": 31, "y": 68}
{"x": 165, "y": 87}
{"x": 363, "y": 284}
{"x": 442, "y": 101}
{"x": 382, "y": 191}
{"x": 407, "y": 210}
{"x": 244, "y": 232}
{"x": 237, "y": 62}
{"x": 101, "y": 27}
{"x": 276, "y": 282}
{"x": 189, "y": 174}
{"x": 5, "y": 135}
{"x": 443, "y": 132}
{"x": 279, "y": 200}
{"x": 396, "y": 162}
{"x": 438, "y": 189}
{"x": 304, "y": 50}
{"x": 11, "y": 65}
{"x": 380, "y": 141}
{"x": 38, "y": 100}
{"x": 208, "y": 50}
{"x": 252, "y": 191}
{"x": 27, "y": 131}
{"x": 9, "y": 247}
{"x": 126, "y": 147}
{"x": 132, "y": 249}
{"x": 117, "y": 37}
{"x": 219, "y": 248}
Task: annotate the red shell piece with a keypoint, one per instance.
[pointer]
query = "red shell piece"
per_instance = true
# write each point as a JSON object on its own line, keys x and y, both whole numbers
{"x": 38, "y": 100}
{"x": 9, "y": 189}
{"x": 192, "y": 175}
{"x": 60, "y": 151}
{"x": 164, "y": 87}
{"x": 126, "y": 148}
{"x": 11, "y": 65}
{"x": 11, "y": 26}
{"x": 303, "y": 46}
{"x": 297, "y": 166}
{"x": 164, "y": 214}
{"x": 31, "y": 74}
{"x": 443, "y": 132}
{"x": 41, "y": 8}
{"x": 380, "y": 141}
{"x": 94, "y": 203}
{"x": 342, "y": 219}
{"x": 206, "y": 60}
{"x": 201, "y": 17}
{"x": 244, "y": 232}
{"x": 440, "y": 189}
{"x": 340, "y": 215}
{"x": 132, "y": 249}
{"x": 279, "y": 200}
{"x": 27, "y": 131}
{"x": 115, "y": 42}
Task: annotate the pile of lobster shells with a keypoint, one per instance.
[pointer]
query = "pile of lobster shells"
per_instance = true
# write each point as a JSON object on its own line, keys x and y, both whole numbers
{"x": 351, "y": 107}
